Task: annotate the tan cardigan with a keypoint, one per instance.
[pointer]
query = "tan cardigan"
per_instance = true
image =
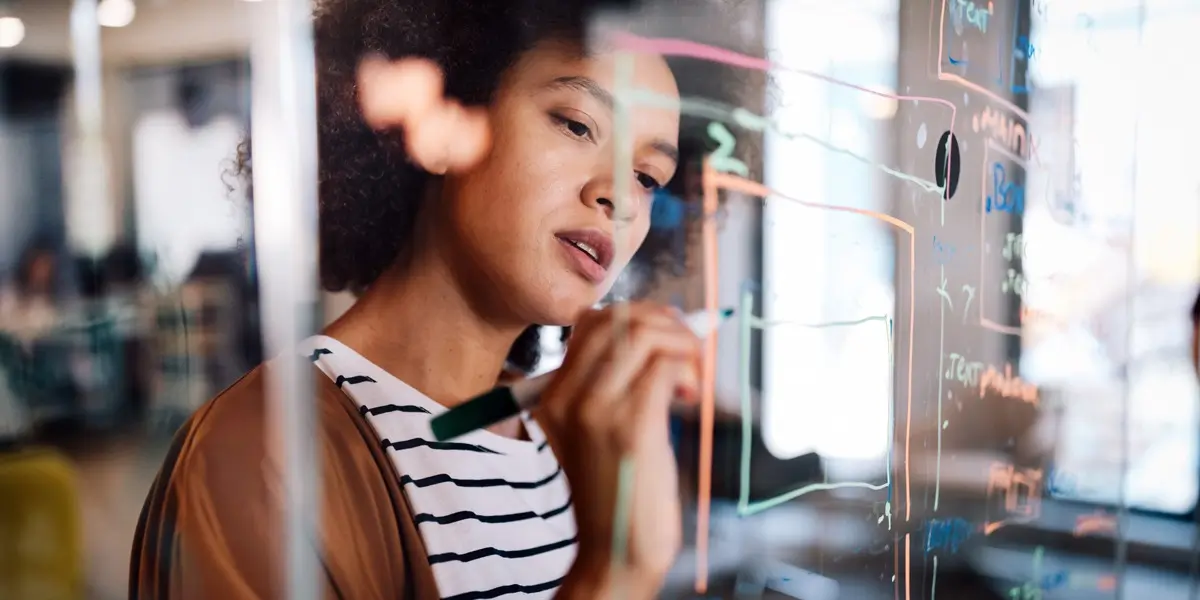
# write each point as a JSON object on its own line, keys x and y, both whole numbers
{"x": 210, "y": 527}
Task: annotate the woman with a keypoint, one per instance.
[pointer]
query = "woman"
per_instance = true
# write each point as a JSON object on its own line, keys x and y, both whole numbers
{"x": 27, "y": 309}
{"x": 462, "y": 233}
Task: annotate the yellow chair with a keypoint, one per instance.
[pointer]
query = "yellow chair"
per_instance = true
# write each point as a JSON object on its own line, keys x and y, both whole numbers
{"x": 41, "y": 541}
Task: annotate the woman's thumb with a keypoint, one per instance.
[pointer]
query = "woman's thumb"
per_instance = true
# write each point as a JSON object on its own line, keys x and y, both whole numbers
{"x": 398, "y": 93}
{"x": 441, "y": 135}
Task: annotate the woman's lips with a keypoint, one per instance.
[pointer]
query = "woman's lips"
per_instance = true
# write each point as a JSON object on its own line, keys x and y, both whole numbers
{"x": 582, "y": 262}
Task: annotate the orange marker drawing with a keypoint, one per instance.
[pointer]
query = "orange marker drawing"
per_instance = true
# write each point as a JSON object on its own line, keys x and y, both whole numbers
{"x": 1007, "y": 385}
{"x": 713, "y": 182}
{"x": 1095, "y": 523}
{"x": 1021, "y": 491}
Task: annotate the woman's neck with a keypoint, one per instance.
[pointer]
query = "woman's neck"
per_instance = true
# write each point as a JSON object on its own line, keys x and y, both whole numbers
{"x": 420, "y": 327}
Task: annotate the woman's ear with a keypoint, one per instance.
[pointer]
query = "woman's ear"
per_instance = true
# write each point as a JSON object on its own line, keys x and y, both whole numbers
{"x": 440, "y": 135}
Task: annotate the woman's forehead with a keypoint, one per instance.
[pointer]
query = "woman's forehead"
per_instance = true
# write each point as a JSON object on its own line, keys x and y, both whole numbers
{"x": 548, "y": 62}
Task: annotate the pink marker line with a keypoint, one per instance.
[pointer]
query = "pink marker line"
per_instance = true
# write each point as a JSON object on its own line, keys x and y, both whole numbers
{"x": 963, "y": 81}
{"x": 678, "y": 47}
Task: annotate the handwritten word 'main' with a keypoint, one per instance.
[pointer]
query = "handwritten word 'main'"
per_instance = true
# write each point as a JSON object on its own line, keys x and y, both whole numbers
{"x": 1010, "y": 134}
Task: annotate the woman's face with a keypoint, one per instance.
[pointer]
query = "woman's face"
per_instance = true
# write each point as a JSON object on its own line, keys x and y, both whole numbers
{"x": 538, "y": 229}
{"x": 41, "y": 273}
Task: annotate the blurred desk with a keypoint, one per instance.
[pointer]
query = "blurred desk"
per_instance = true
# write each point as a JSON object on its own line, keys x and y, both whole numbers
{"x": 83, "y": 369}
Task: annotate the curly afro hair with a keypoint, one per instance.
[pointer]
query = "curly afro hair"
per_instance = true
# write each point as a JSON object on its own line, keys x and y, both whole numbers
{"x": 369, "y": 192}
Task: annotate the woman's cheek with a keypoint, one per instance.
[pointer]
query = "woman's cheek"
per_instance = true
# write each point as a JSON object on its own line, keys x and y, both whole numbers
{"x": 640, "y": 229}
{"x": 627, "y": 246}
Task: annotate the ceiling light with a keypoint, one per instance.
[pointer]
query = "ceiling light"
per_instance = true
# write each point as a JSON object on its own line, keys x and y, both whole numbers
{"x": 12, "y": 31}
{"x": 115, "y": 13}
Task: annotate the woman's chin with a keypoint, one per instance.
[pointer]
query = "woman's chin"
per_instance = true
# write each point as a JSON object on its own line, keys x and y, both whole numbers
{"x": 563, "y": 310}
{"x": 565, "y": 318}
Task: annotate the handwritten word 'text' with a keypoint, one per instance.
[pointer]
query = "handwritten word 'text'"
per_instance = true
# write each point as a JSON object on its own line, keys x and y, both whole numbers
{"x": 966, "y": 11}
{"x": 1007, "y": 385}
{"x": 963, "y": 371}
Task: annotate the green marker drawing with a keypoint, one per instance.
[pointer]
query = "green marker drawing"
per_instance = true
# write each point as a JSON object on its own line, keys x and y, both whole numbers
{"x": 722, "y": 158}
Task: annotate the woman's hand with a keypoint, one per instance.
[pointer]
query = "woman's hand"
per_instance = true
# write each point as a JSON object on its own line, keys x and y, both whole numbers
{"x": 440, "y": 134}
{"x": 608, "y": 404}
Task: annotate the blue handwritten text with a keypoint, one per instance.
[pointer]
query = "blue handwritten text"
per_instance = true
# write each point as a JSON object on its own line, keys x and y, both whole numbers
{"x": 1005, "y": 197}
{"x": 947, "y": 534}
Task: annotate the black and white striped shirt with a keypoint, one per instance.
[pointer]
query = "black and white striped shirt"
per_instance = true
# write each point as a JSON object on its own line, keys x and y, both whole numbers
{"x": 494, "y": 512}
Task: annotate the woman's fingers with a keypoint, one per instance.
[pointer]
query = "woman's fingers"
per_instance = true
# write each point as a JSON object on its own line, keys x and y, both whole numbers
{"x": 582, "y": 362}
{"x": 689, "y": 379}
{"x": 398, "y": 93}
{"x": 473, "y": 137}
{"x": 635, "y": 347}
{"x": 654, "y": 387}
{"x": 609, "y": 346}
{"x": 441, "y": 135}
{"x": 608, "y": 404}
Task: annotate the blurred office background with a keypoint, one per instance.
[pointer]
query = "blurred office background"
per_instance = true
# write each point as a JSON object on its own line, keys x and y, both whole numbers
{"x": 123, "y": 306}
{"x": 126, "y": 305}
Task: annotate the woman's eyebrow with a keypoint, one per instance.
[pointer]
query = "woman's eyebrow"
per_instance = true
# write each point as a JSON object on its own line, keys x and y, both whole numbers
{"x": 666, "y": 149}
{"x": 586, "y": 85}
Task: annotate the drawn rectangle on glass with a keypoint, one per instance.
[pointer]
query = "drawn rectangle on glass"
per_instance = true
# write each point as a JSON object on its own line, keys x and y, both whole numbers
{"x": 1007, "y": 52}
{"x": 720, "y": 181}
{"x": 1001, "y": 194}
{"x": 1014, "y": 494}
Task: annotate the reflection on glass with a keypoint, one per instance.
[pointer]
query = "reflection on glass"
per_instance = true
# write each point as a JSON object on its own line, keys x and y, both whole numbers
{"x": 827, "y": 276}
{"x": 1114, "y": 327}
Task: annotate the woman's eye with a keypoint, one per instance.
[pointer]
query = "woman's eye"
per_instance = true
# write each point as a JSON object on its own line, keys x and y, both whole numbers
{"x": 648, "y": 182}
{"x": 576, "y": 128}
